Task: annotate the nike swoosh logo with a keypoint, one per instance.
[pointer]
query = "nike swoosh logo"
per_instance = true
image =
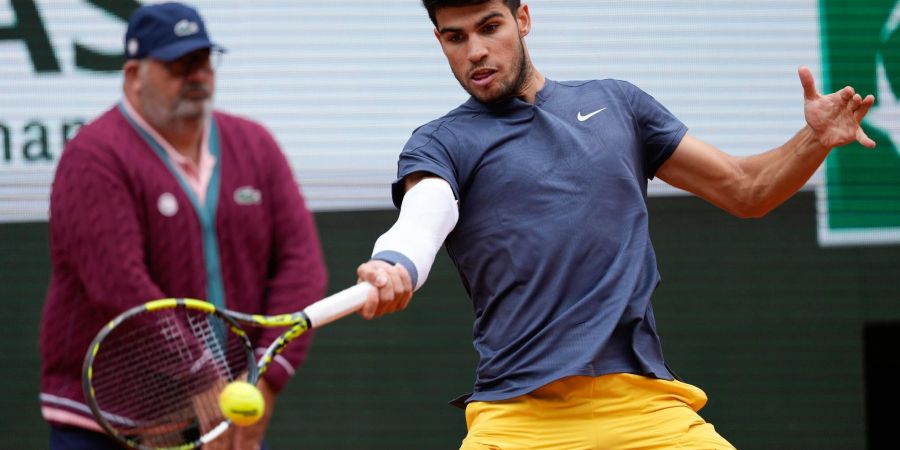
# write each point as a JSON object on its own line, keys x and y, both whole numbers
{"x": 583, "y": 118}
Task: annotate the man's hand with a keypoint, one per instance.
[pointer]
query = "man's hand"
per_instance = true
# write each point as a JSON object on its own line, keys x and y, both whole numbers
{"x": 835, "y": 118}
{"x": 393, "y": 288}
{"x": 210, "y": 416}
{"x": 251, "y": 437}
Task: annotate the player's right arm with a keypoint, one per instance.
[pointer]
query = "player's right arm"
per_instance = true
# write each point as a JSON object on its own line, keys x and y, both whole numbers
{"x": 402, "y": 257}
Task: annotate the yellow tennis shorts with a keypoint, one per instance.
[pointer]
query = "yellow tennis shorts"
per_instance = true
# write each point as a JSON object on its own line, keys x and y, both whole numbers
{"x": 609, "y": 412}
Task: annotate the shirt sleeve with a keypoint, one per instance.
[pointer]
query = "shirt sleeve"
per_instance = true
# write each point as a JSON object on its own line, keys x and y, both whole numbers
{"x": 659, "y": 129}
{"x": 297, "y": 269}
{"x": 428, "y": 150}
{"x": 95, "y": 227}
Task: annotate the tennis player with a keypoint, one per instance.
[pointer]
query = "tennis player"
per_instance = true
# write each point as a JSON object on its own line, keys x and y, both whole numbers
{"x": 538, "y": 189}
{"x": 161, "y": 196}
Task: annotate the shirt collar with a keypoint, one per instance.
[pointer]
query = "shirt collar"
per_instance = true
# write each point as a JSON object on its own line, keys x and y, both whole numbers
{"x": 173, "y": 154}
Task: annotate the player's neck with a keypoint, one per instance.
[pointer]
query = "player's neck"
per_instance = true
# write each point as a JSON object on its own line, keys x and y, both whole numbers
{"x": 534, "y": 82}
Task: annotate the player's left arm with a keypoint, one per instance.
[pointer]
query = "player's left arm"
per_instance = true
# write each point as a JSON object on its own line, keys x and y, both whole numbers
{"x": 754, "y": 185}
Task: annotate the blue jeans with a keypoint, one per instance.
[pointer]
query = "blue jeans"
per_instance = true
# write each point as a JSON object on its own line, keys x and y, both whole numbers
{"x": 74, "y": 438}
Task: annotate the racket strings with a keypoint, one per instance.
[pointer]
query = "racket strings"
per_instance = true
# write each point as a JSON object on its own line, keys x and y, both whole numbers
{"x": 158, "y": 375}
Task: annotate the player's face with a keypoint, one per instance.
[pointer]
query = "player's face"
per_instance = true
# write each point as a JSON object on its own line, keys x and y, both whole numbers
{"x": 178, "y": 90}
{"x": 483, "y": 44}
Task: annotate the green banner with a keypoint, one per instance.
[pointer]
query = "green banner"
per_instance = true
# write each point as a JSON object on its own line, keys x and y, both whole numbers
{"x": 859, "y": 203}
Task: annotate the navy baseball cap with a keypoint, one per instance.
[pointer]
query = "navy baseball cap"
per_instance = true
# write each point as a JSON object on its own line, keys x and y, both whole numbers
{"x": 165, "y": 31}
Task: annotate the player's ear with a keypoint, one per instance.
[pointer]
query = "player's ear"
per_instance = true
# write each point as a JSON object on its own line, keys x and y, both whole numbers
{"x": 523, "y": 17}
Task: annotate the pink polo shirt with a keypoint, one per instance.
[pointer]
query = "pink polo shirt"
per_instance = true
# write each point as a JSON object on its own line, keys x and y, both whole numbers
{"x": 195, "y": 175}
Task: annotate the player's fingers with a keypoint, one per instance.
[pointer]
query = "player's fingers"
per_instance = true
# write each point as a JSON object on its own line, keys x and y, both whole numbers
{"x": 385, "y": 293}
{"x": 407, "y": 286}
{"x": 371, "y": 272}
{"x": 863, "y": 109}
{"x": 846, "y": 94}
{"x": 808, "y": 83}
{"x": 385, "y": 297}
{"x": 397, "y": 285}
{"x": 864, "y": 139}
{"x": 405, "y": 301}
{"x": 855, "y": 102}
{"x": 371, "y": 305}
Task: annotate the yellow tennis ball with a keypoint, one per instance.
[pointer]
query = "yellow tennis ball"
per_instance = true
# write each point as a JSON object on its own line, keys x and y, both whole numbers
{"x": 241, "y": 403}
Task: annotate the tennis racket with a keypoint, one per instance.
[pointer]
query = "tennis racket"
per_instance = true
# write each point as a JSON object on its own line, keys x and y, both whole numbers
{"x": 153, "y": 375}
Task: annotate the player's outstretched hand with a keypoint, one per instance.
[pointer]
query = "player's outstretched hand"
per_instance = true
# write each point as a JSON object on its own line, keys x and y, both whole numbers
{"x": 393, "y": 288}
{"x": 835, "y": 117}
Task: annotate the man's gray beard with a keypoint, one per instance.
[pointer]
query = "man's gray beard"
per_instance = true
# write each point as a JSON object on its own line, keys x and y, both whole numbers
{"x": 188, "y": 110}
{"x": 185, "y": 111}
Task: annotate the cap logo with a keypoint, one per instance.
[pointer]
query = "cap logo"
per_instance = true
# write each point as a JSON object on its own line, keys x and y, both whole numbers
{"x": 185, "y": 27}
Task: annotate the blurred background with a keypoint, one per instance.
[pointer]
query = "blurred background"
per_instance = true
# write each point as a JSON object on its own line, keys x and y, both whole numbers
{"x": 790, "y": 323}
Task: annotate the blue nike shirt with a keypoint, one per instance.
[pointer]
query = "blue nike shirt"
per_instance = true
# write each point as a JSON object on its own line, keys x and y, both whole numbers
{"x": 552, "y": 242}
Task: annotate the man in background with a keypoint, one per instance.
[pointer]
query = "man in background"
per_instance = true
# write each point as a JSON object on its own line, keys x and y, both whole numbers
{"x": 161, "y": 196}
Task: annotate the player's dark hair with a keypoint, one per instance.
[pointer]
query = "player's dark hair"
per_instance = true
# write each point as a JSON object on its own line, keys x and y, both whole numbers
{"x": 432, "y": 6}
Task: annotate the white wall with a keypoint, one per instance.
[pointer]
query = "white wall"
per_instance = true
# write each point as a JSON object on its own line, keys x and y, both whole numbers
{"x": 343, "y": 83}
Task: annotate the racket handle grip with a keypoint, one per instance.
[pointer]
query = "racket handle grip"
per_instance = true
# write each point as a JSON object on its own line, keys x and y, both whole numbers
{"x": 337, "y": 305}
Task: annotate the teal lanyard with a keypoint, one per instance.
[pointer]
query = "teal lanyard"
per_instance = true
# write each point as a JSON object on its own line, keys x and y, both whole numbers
{"x": 206, "y": 212}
